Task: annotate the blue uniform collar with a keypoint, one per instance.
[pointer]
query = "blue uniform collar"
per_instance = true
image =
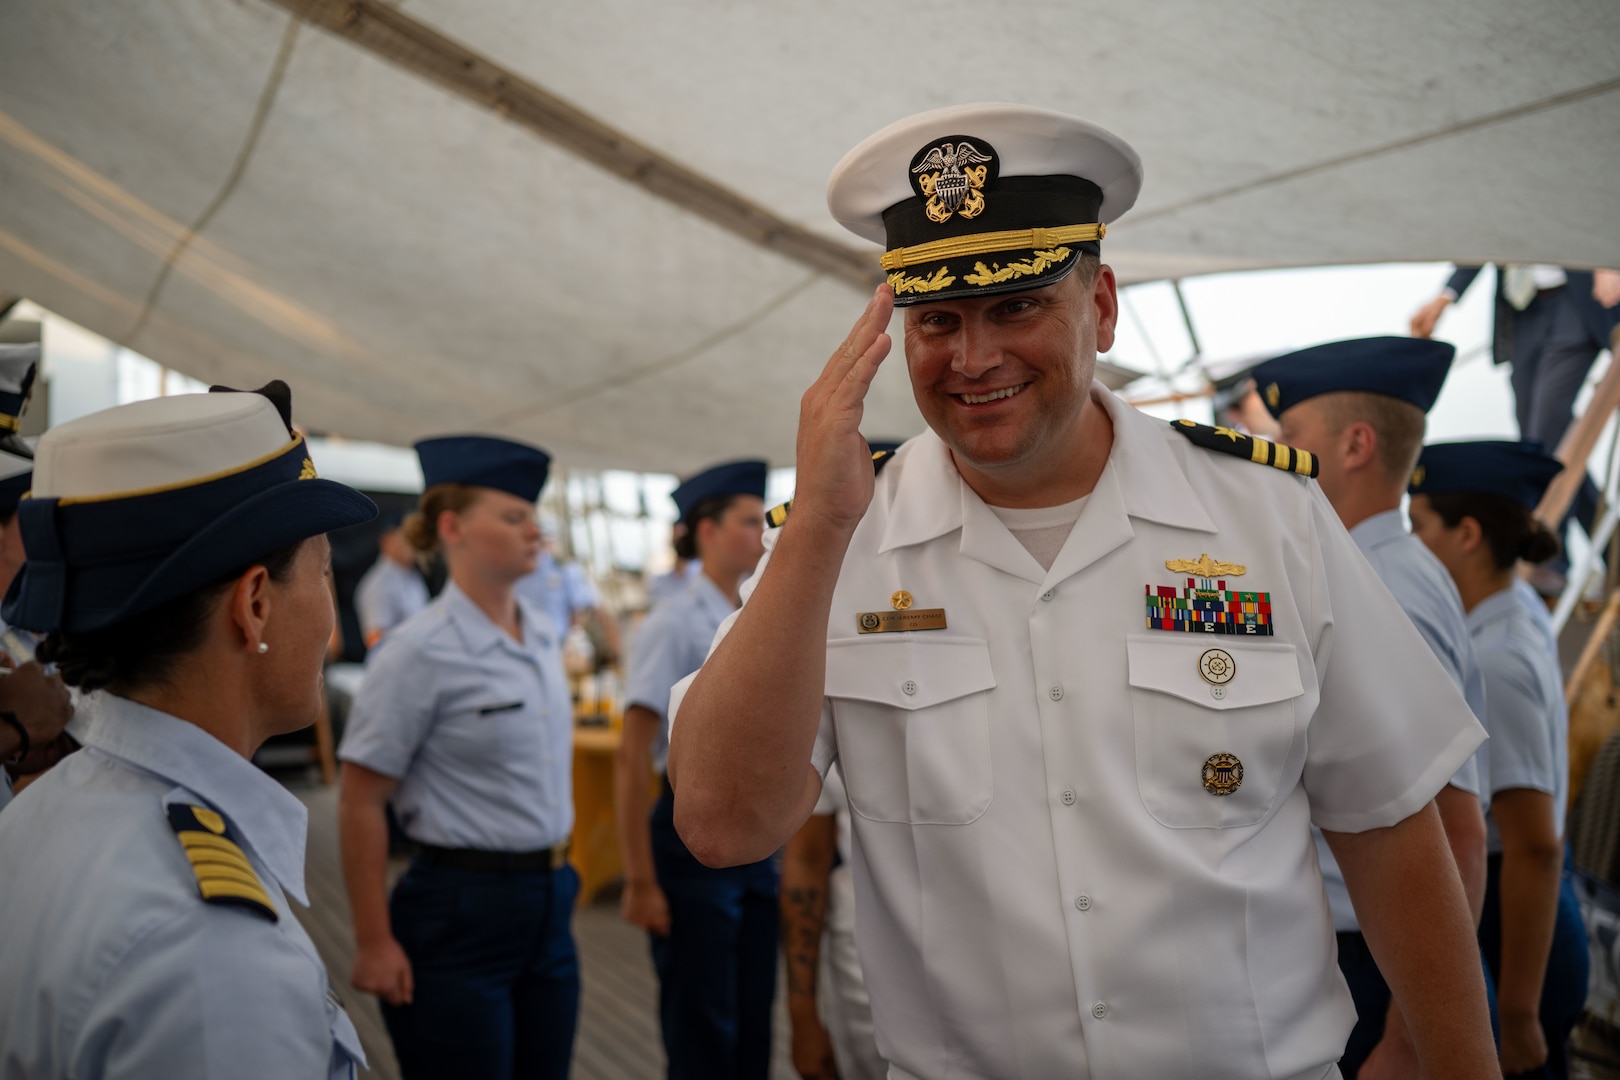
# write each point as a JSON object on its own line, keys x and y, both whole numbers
{"x": 1498, "y": 605}
{"x": 265, "y": 816}
{"x": 1378, "y": 530}
{"x": 481, "y": 634}
{"x": 710, "y": 597}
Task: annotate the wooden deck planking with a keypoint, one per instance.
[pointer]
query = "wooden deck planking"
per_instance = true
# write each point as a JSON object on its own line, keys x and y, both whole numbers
{"x": 618, "y": 1023}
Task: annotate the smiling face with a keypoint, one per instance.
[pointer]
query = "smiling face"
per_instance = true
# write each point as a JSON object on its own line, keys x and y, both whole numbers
{"x": 1003, "y": 380}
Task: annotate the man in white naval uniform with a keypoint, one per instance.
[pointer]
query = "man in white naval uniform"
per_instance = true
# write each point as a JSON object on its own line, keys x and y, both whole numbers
{"x": 1088, "y": 682}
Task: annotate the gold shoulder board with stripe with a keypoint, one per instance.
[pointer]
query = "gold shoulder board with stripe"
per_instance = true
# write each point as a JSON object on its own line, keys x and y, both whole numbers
{"x": 777, "y": 516}
{"x": 224, "y": 875}
{"x": 1261, "y": 452}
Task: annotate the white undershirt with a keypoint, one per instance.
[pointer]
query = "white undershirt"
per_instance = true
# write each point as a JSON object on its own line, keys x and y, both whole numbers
{"x": 1042, "y": 529}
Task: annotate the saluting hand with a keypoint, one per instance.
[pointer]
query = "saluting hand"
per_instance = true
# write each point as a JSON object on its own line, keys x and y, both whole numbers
{"x": 382, "y": 968}
{"x": 834, "y": 463}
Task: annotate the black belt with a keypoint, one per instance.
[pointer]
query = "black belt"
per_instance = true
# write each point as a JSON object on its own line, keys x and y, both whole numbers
{"x": 554, "y": 857}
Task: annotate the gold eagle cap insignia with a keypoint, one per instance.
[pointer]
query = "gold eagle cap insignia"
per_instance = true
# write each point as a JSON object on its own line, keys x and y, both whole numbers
{"x": 1204, "y": 567}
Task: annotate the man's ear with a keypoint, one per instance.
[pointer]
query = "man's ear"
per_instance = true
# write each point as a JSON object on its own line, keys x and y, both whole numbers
{"x": 1105, "y": 300}
{"x": 1360, "y": 443}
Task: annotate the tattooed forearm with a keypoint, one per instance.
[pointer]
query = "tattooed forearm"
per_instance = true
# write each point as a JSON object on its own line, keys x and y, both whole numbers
{"x": 804, "y": 914}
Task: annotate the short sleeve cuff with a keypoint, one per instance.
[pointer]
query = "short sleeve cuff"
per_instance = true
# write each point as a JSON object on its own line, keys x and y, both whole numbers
{"x": 1510, "y": 779}
{"x": 376, "y": 758}
{"x": 1422, "y": 789}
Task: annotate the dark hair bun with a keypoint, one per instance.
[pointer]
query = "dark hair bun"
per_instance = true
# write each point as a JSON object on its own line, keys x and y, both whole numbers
{"x": 1540, "y": 544}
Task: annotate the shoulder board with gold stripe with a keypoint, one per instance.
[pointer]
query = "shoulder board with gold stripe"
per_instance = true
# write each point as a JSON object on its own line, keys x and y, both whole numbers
{"x": 777, "y": 516}
{"x": 224, "y": 875}
{"x": 1229, "y": 441}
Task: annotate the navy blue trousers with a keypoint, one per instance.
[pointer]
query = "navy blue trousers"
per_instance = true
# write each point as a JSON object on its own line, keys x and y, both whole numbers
{"x": 717, "y": 968}
{"x": 497, "y": 977}
{"x": 1563, "y": 990}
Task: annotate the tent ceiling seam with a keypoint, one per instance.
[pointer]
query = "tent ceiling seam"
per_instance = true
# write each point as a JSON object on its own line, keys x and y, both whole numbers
{"x": 1517, "y": 112}
{"x": 418, "y": 48}
{"x": 261, "y": 113}
{"x": 655, "y": 367}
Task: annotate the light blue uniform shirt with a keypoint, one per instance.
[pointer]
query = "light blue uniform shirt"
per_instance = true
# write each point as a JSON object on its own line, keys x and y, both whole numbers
{"x": 387, "y": 595}
{"x": 478, "y": 728}
{"x": 1538, "y": 611}
{"x": 671, "y": 645}
{"x": 1524, "y": 698}
{"x": 667, "y": 585}
{"x": 559, "y": 590}
{"x": 111, "y": 963}
{"x": 1425, "y": 591}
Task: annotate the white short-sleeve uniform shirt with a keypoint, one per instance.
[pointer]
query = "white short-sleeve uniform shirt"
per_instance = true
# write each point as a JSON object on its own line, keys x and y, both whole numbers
{"x": 1524, "y": 703}
{"x": 1044, "y": 886}
{"x": 1425, "y": 591}
{"x": 477, "y": 727}
{"x": 111, "y": 964}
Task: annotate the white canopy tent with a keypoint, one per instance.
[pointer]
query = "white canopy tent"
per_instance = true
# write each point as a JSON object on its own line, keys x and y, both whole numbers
{"x": 601, "y": 227}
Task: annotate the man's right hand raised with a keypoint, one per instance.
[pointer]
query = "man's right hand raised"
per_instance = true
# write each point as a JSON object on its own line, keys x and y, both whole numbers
{"x": 833, "y": 461}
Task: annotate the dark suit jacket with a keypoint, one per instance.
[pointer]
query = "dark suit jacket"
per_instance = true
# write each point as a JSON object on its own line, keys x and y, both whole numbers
{"x": 1521, "y": 333}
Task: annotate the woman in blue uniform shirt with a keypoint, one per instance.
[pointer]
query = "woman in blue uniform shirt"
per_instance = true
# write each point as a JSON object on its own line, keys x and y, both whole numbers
{"x": 713, "y": 931}
{"x": 464, "y": 724}
{"x": 1472, "y": 505}
{"x": 177, "y": 563}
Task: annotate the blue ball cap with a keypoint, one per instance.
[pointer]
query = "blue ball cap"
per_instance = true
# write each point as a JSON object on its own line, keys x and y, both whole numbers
{"x": 480, "y": 461}
{"x": 718, "y": 481}
{"x": 1407, "y": 369}
{"x": 1519, "y": 471}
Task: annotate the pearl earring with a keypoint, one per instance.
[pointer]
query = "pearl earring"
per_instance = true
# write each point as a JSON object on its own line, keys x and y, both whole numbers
{"x": 264, "y": 647}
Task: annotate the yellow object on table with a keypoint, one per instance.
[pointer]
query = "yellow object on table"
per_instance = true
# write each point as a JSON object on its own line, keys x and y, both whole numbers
{"x": 596, "y": 838}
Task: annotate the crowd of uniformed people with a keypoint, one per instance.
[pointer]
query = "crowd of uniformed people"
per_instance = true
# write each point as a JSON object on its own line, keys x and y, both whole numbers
{"x": 1056, "y": 741}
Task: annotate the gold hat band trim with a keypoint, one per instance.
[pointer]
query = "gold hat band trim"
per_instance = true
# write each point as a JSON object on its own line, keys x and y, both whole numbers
{"x": 10, "y": 423}
{"x": 72, "y": 500}
{"x": 956, "y": 247}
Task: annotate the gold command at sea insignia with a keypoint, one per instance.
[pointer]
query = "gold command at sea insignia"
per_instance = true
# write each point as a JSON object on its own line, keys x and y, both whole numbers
{"x": 901, "y": 600}
{"x": 1223, "y": 774}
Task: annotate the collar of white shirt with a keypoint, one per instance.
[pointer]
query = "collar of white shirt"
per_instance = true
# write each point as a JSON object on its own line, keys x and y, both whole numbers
{"x": 266, "y": 816}
{"x": 1143, "y": 479}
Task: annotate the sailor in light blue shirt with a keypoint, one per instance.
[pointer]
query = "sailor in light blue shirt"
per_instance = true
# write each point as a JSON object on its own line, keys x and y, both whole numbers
{"x": 392, "y": 590}
{"x": 477, "y": 727}
{"x": 671, "y": 645}
{"x": 464, "y": 725}
{"x": 177, "y": 559}
{"x": 561, "y": 590}
{"x": 1359, "y": 406}
{"x": 1473, "y": 505}
{"x": 135, "y": 975}
{"x": 713, "y": 932}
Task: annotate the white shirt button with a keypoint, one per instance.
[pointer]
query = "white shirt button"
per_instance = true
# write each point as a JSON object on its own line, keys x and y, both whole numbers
{"x": 1057, "y": 693}
{"x": 1217, "y": 692}
{"x": 1083, "y": 902}
{"x": 1099, "y": 1010}
{"x": 1048, "y": 594}
{"x": 1068, "y": 796}
{"x": 909, "y": 687}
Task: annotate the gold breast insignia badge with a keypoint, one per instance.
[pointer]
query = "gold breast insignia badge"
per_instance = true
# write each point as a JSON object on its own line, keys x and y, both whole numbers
{"x": 1204, "y": 604}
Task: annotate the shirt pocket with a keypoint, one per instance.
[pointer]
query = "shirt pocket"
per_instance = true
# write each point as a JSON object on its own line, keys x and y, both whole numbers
{"x": 347, "y": 1053}
{"x": 1211, "y": 754}
{"x": 913, "y": 727}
